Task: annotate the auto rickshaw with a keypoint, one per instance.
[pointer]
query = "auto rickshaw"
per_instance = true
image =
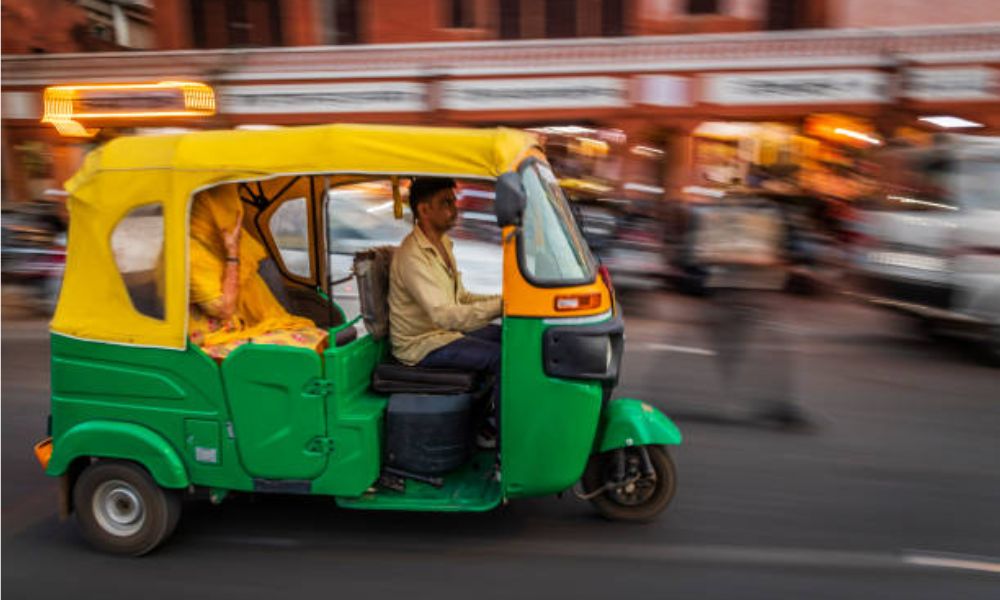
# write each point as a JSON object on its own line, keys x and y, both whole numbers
{"x": 141, "y": 416}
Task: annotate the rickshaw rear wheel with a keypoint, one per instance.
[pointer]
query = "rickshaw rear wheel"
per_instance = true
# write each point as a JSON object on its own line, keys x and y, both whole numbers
{"x": 632, "y": 495}
{"x": 121, "y": 510}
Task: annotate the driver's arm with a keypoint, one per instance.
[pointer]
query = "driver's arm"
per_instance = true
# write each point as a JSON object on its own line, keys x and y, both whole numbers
{"x": 439, "y": 304}
{"x": 467, "y": 297}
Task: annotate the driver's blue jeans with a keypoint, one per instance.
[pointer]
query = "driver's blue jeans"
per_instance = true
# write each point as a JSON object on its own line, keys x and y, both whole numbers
{"x": 477, "y": 350}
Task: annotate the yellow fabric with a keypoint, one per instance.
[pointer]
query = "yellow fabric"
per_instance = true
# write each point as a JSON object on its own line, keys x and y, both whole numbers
{"x": 133, "y": 171}
{"x": 314, "y": 339}
{"x": 257, "y": 311}
{"x": 428, "y": 305}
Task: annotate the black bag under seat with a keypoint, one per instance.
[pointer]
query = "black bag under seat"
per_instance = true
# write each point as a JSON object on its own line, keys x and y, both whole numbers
{"x": 429, "y": 434}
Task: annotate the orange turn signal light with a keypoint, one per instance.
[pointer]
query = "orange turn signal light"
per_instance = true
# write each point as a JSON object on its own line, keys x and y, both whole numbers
{"x": 577, "y": 302}
{"x": 43, "y": 452}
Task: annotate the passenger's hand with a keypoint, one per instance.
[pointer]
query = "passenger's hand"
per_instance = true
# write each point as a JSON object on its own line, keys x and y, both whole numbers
{"x": 231, "y": 238}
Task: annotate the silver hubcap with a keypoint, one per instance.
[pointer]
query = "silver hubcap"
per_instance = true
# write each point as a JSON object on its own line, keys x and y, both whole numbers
{"x": 118, "y": 508}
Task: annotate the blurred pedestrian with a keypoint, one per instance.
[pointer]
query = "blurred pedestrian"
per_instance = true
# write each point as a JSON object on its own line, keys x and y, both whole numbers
{"x": 739, "y": 242}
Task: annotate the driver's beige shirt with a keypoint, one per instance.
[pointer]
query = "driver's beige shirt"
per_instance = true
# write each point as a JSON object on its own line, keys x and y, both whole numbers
{"x": 428, "y": 305}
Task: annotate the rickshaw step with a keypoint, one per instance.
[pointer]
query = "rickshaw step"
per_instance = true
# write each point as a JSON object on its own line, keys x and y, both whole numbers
{"x": 471, "y": 488}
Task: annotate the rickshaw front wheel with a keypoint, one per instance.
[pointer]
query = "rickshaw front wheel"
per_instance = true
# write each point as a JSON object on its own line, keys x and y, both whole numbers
{"x": 631, "y": 484}
{"x": 121, "y": 510}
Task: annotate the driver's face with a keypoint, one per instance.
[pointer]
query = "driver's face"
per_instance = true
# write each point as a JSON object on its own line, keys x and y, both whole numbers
{"x": 441, "y": 212}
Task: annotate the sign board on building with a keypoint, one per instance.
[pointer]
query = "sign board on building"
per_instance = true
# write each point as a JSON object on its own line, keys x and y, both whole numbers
{"x": 22, "y": 105}
{"x": 943, "y": 84}
{"x": 662, "y": 90}
{"x": 801, "y": 87}
{"x": 398, "y": 96}
{"x": 534, "y": 93}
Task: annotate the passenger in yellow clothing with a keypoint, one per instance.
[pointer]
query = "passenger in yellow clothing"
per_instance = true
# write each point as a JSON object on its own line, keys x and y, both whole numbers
{"x": 231, "y": 304}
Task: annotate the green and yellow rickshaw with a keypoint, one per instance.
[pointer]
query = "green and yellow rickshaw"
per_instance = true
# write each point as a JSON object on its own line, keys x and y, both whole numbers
{"x": 142, "y": 415}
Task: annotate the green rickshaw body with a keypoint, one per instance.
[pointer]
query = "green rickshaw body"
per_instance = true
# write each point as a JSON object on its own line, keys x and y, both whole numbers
{"x": 169, "y": 412}
{"x": 181, "y": 427}
{"x": 551, "y": 418}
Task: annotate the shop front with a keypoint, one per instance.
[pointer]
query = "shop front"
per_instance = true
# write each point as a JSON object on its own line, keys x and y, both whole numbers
{"x": 662, "y": 113}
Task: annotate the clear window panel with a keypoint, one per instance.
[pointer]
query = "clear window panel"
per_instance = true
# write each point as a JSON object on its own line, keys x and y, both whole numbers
{"x": 360, "y": 216}
{"x": 290, "y": 229}
{"x": 137, "y": 245}
{"x": 552, "y": 248}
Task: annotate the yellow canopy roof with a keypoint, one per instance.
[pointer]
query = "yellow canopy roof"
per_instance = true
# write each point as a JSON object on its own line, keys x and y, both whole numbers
{"x": 132, "y": 172}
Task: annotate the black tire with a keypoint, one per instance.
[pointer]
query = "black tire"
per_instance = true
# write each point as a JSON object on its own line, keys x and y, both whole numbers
{"x": 121, "y": 510}
{"x": 620, "y": 505}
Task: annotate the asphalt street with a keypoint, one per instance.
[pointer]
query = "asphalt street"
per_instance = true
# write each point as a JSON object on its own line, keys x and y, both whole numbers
{"x": 891, "y": 491}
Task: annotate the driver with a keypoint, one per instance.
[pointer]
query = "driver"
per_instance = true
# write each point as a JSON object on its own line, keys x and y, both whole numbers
{"x": 433, "y": 320}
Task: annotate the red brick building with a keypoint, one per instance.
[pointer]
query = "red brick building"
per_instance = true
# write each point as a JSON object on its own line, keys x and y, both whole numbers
{"x": 317, "y": 61}
{"x": 241, "y": 23}
{"x": 225, "y": 23}
{"x": 58, "y": 26}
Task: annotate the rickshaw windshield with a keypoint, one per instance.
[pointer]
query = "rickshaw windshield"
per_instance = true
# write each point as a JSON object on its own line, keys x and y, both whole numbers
{"x": 553, "y": 251}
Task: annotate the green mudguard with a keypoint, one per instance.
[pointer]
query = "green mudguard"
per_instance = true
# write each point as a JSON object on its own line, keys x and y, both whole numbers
{"x": 631, "y": 422}
{"x": 128, "y": 441}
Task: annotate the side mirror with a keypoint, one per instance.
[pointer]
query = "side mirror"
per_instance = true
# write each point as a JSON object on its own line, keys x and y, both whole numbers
{"x": 510, "y": 200}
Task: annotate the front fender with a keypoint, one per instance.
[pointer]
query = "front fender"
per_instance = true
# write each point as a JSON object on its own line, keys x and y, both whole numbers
{"x": 631, "y": 422}
{"x": 112, "y": 439}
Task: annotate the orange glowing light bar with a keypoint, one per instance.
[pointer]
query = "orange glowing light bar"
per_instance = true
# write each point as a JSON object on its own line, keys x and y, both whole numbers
{"x": 65, "y": 105}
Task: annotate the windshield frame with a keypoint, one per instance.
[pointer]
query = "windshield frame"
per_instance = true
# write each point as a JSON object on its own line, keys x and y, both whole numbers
{"x": 570, "y": 228}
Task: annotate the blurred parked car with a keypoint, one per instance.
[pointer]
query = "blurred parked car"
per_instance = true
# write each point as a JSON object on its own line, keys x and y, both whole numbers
{"x": 928, "y": 243}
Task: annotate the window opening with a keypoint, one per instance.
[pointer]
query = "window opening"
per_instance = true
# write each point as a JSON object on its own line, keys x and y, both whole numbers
{"x": 703, "y": 7}
{"x": 360, "y": 216}
{"x": 460, "y": 14}
{"x": 289, "y": 226}
{"x": 137, "y": 246}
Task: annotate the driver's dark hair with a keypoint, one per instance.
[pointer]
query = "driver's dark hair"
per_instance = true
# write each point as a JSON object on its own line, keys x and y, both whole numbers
{"x": 423, "y": 189}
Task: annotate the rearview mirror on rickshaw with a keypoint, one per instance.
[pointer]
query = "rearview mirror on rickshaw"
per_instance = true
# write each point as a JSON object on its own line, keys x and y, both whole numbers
{"x": 146, "y": 414}
{"x": 510, "y": 200}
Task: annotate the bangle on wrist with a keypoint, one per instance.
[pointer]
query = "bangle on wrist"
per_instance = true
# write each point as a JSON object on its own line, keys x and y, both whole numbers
{"x": 232, "y": 259}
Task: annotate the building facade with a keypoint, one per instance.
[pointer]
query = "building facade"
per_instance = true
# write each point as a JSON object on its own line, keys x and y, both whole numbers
{"x": 60, "y": 26}
{"x": 248, "y": 23}
{"x": 688, "y": 102}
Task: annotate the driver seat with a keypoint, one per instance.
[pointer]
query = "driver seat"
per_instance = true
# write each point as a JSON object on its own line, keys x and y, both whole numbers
{"x": 371, "y": 270}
